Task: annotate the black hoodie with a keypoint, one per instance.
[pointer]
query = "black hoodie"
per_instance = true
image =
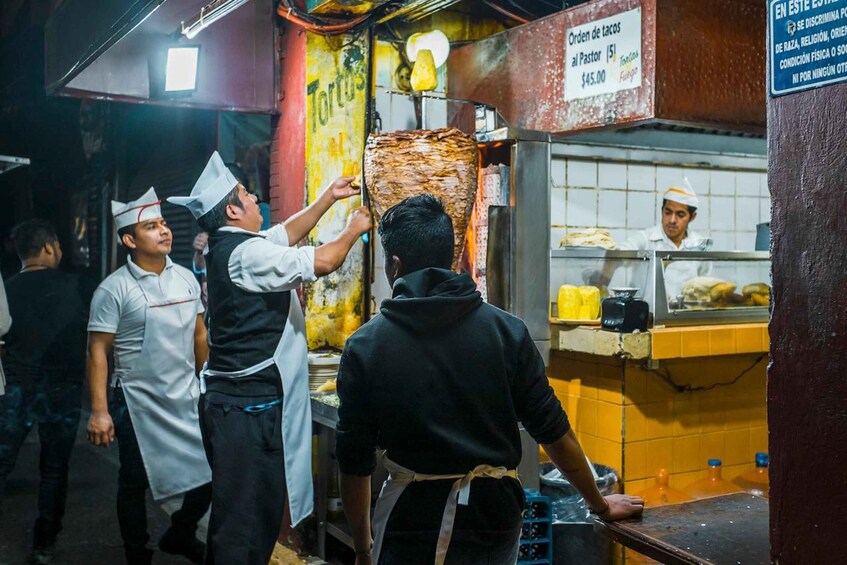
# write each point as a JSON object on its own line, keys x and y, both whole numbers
{"x": 440, "y": 380}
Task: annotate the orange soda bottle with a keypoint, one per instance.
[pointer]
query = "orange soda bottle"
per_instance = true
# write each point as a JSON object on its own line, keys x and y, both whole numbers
{"x": 756, "y": 481}
{"x": 713, "y": 484}
{"x": 661, "y": 493}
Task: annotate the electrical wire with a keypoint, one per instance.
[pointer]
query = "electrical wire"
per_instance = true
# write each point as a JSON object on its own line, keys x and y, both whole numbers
{"x": 522, "y": 9}
{"x": 666, "y": 376}
{"x": 286, "y": 9}
{"x": 555, "y": 5}
{"x": 398, "y": 44}
{"x": 506, "y": 12}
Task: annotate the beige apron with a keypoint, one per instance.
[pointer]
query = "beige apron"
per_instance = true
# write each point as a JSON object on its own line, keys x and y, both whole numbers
{"x": 162, "y": 394}
{"x": 400, "y": 477}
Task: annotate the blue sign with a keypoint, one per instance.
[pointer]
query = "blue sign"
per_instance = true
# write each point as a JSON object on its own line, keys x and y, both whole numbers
{"x": 807, "y": 43}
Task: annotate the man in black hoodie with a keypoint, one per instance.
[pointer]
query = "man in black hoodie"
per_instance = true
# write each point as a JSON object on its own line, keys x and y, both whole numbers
{"x": 440, "y": 381}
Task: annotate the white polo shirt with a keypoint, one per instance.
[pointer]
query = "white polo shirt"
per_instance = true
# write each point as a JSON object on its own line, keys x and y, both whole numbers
{"x": 119, "y": 306}
{"x": 677, "y": 273}
{"x": 268, "y": 263}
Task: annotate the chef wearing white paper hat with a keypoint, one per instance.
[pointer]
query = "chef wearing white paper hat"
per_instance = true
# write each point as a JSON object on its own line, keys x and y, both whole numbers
{"x": 255, "y": 411}
{"x": 148, "y": 313}
{"x": 679, "y": 209}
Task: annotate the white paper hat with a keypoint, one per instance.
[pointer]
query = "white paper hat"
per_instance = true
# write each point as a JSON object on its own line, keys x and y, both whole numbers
{"x": 684, "y": 195}
{"x": 145, "y": 208}
{"x": 214, "y": 184}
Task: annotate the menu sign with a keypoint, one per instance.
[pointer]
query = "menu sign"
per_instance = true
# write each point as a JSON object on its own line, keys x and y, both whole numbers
{"x": 603, "y": 56}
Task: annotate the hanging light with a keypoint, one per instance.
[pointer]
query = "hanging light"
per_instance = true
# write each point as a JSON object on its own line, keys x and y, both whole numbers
{"x": 209, "y": 14}
{"x": 181, "y": 68}
{"x": 435, "y": 41}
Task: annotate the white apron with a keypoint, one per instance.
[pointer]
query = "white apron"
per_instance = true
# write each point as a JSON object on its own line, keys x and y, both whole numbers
{"x": 400, "y": 477}
{"x": 677, "y": 273}
{"x": 162, "y": 394}
{"x": 291, "y": 358}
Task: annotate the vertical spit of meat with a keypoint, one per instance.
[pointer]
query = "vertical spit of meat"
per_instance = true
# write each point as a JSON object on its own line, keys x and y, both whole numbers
{"x": 442, "y": 162}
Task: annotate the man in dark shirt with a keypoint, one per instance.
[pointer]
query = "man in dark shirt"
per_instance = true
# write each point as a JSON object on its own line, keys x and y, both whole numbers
{"x": 44, "y": 360}
{"x": 440, "y": 381}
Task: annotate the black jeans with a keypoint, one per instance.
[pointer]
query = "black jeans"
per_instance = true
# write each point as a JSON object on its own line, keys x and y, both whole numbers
{"x": 133, "y": 485}
{"x": 411, "y": 551}
{"x": 55, "y": 407}
{"x": 248, "y": 473}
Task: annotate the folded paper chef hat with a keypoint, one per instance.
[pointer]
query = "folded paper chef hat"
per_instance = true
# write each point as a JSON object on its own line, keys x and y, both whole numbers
{"x": 214, "y": 184}
{"x": 684, "y": 195}
{"x": 145, "y": 208}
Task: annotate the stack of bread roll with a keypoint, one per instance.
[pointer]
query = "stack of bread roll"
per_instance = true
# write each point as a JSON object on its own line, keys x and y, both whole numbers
{"x": 758, "y": 293}
{"x": 701, "y": 290}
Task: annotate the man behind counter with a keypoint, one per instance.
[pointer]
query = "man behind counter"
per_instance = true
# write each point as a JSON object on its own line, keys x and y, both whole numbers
{"x": 679, "y": 209}
{"x": 440, "y": 381}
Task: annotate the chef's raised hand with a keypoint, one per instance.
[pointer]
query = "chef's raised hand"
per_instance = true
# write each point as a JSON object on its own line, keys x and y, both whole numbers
{"x": 360, "y": 220}
{"x": 622, "y": 506}
{"x": 101, "y": 429}
{"x": 343, "y": 187}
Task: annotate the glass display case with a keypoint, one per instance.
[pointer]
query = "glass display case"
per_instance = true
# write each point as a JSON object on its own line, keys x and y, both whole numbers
{"x": 681, "y": 287}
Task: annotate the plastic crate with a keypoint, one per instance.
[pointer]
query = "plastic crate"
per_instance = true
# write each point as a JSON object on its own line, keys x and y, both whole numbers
{"x": 536, "y": 545}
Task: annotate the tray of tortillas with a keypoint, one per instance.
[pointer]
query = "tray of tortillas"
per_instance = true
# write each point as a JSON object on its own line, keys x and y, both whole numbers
{"x": 589, "y": 237}
{"x": 441, "y": 162}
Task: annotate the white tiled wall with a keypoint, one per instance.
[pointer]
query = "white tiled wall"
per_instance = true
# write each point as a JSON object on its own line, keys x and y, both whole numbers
{"x": 625, "y": 198}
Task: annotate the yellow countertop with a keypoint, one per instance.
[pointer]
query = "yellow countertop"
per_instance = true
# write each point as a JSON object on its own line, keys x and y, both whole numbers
{"x": 663, "y": 343}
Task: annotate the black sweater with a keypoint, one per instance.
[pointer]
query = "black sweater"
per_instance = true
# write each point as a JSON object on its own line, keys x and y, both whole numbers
{"x": 440, "y": 381}
{"x": 49, "y": 310}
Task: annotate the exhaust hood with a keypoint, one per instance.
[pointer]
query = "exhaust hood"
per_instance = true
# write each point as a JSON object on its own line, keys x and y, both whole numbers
{"x": 606, "y": 64}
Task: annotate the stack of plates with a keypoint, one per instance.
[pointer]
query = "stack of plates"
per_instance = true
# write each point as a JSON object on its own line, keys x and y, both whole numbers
{"x": 323, "y": 365}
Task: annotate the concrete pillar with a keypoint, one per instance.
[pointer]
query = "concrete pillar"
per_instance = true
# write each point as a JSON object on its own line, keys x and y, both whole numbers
{"x": 288, "y": 145}
{"x": 807, "y": 378}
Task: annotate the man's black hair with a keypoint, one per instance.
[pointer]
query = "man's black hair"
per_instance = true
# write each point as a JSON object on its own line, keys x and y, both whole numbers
{"x": 691, "y": 209}
{"x": 419, "y": 232}
{"x": 216, "y": 217}
{"x": 126, "y": 230}
{"x": 31, "y": 236}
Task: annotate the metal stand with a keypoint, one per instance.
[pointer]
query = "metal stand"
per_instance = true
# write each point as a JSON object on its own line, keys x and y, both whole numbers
{"x": 423, "y": 112}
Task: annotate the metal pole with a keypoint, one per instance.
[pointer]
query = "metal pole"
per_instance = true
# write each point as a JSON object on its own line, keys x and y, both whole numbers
{"x": 423, "y": 112}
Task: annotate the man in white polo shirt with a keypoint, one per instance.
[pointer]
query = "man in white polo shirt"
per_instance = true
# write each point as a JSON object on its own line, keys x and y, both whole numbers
{"x": 679, "y": 209}
{"x": 149, "y": 314}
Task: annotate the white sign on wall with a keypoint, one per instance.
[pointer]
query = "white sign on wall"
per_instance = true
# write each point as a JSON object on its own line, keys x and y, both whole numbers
{"x": 603, "y": 56}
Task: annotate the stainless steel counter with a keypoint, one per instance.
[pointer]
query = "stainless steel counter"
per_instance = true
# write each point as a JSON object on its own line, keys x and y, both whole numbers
{"x": 326, "y": 416}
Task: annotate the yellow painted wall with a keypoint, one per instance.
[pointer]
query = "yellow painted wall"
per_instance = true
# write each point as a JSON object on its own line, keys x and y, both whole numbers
{"x": 631, "y": 419}
{"x": 336, "y": 99}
